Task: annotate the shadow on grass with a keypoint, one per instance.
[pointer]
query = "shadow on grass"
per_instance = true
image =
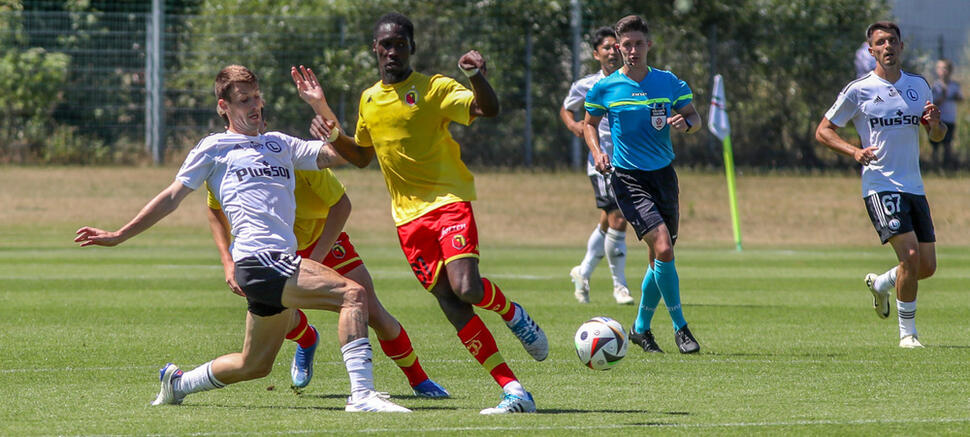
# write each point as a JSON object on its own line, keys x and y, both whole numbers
{"x": 947, "y": 346}
{"x": 771, "y": 354}
{"x": 612, "y": 411}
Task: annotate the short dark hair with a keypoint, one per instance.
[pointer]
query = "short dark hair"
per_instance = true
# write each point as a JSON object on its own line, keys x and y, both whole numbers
{"x": 400, "y": 20}
{"x": 886, "y": 26}
{"x": 599, "y": 35}
{"x": 631, "y": 23}
{"x": 230, "y": 75}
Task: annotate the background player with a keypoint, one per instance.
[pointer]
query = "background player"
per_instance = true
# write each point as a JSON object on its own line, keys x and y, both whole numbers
{"x": 640, "y": 102}
{"x": 403, "y": 120}
{"x": 322, "y": 209}
{"x": 609, "y": 237}
{"x": 887, "y": 106}
{"x": 251, "y": 175}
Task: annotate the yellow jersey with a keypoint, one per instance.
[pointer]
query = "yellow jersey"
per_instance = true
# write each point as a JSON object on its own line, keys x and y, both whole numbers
{"x": 316, "y": 191}
{"x": 407, "y": 125}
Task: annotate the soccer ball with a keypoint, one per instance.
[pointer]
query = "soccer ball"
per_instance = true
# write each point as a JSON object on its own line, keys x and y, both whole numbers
{"x": 601, "y": 343}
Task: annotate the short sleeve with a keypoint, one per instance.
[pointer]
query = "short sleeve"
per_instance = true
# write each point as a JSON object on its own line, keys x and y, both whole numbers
{"x": 576, "y": 97}
{"x": 197, "y": 167}
{"x": 682, "y": 95}
{"x": 845, "y": 107}
{"x": 362, "y": 134}
{"x": 325, "y": 185}
{"x": 210, "y": 198}
{"x": 594, "y": 104}
{"x": 304, "y": 152}
{"x": 454, "y": 100}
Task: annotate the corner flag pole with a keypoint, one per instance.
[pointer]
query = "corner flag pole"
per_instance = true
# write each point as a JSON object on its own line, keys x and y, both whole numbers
{"x": 719, "y": 125}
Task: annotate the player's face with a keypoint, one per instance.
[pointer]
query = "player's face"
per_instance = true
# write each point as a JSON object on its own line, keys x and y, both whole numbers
{"x": 886, "y": 48}
{"x": 393, "y": 50}
{"x": 244, "y": 108}
{"x": 942, "y": 71}
{"x": 607, "y": 54}
{"x": 634, "y": 47}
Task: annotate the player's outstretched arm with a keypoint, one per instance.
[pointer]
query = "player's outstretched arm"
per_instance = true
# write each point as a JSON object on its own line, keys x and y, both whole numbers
{"x": 486, "y": 101}
{"x": 336, "y": 219}
{"x": 219, "y": 225}
{"x": 162, "y": 205}
{"x": 345, "y": 147}
{"x": 592, "y": 136}
{"x": 311, "y": 92}
{"x": 826, "y": 134}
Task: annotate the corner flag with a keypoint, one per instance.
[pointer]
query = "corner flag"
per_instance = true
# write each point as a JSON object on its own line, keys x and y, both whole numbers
{"x": 718, "y": 124}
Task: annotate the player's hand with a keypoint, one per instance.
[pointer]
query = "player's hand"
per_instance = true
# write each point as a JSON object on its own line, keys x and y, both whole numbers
{"x": 578, "y": 128}
{"x": 678, "y": 122}
{"x": 307, "y": 85}
{"x": 602, "y": 163}
{"x": 230, "y": 270}
{"x": 321, "y": 128}
{"x": 865, "y": 156}
{"x": 471, "y": 61}
{"x": 88, "y": 236}
{"x": 931, "y": 115}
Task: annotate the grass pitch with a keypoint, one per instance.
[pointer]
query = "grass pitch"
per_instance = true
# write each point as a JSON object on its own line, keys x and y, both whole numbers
{"x": 790, "y": 343}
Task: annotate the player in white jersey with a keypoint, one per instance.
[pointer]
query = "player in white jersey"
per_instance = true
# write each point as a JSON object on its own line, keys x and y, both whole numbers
{"x": 609, "y": 237}
{"x": 252, "y": 176}
{"x": 887, "y": 107}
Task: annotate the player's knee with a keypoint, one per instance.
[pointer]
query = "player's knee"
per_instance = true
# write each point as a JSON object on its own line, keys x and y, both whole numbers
{"x": 470, "y": 291}
{"x": 927, "y": 268}
{"x": 354, "y": 295}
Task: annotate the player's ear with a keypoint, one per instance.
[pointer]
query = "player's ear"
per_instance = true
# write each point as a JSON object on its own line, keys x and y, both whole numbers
{"x": 411, "y": 43}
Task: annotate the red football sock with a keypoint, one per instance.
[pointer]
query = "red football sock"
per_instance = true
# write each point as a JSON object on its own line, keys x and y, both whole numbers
{"x": 304, "y": 334}
{"x": 400, "y": 350}
{"x": 494, "y": 300}
{"x": 480, "y": 343}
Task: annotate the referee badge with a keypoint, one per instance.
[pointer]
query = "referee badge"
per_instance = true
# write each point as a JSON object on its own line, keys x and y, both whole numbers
{"x": 658, "y": 117}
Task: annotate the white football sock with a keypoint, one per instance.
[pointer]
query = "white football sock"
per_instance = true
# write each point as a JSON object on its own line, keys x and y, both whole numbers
{"x": 907, "y": 317}
{"x": 615, "y": 248}
{"x": 196, "y": 380}
{"x": 515, "y": 388}
{"x": 357, "y": 359}
{"x": 886, "y": 281}
{"x": 594, "y": 252}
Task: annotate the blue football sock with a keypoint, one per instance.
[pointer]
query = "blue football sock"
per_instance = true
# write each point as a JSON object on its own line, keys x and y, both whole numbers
{"x": 669, "y": 284}
{"x": 649, "y": 299}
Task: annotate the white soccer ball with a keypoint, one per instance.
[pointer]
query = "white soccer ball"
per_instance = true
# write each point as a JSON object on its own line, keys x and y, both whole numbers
{"x": 601, "y": 343}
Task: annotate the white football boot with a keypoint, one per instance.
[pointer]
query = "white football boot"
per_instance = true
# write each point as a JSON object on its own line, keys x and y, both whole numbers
{"x": 880, "y": 299}
{"x": 581, "y": 285}
{"x": 374, "y": 402}
{"x": 513, "y": 404}
{"x": 622, "y": 295}
{"x": 910, "y": 342}
{"x": 167, "y": 396}
{"x": 529, "y": 333}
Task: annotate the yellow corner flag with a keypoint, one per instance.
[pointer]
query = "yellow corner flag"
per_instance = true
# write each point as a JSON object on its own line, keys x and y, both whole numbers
{"x": 719, "y": 125}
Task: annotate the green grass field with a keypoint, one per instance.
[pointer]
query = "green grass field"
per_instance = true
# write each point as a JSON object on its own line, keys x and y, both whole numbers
{"x": 790, "y": 343}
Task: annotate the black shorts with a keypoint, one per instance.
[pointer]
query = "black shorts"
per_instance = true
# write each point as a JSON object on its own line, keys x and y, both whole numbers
{"x": 602, "y": 192}
{"x": 648, "y": 198}
{"x": 894, "y": 213}
{"x": 262, "y": 277}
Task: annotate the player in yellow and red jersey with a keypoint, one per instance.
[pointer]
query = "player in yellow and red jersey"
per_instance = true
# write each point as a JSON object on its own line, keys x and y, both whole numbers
{"x": 404, "y": 120}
